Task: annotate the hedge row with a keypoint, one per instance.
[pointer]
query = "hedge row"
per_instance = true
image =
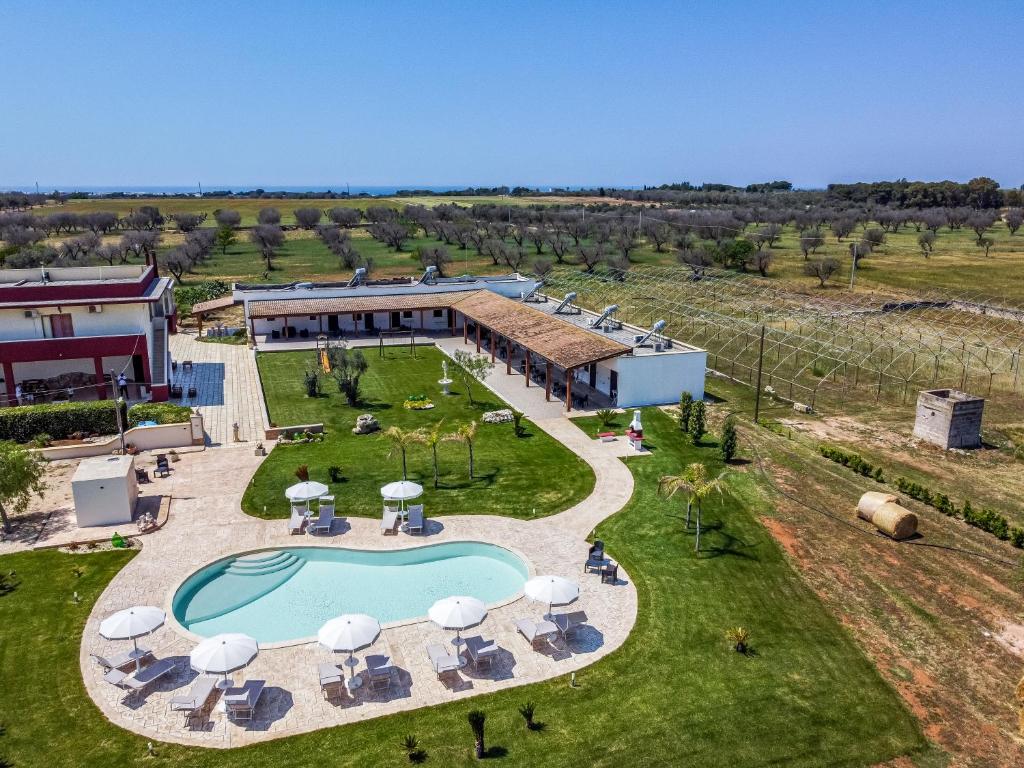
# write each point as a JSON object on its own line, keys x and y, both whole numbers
{"x": 852, "y": 461}
{"x": 987, "y": 519}
{"x": 58, "y": 420}
{"x": 161, "y": 413}
{"x": 62, "y": 420}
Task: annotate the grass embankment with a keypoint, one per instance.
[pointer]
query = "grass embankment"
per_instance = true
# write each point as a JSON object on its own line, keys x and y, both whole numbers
{"x": 674, "y": 694}
{"x": 512, "y": 476}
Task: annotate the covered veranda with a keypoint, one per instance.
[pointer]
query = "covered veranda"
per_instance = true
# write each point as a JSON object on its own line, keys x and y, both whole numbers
{"x": 546, "y": 351}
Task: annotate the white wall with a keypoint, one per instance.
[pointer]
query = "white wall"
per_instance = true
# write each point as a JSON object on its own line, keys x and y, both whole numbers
{"x": 381, "y": 320}
{"x": 49, "y": 368}
{"x": 660, "y": 379}
{"x": 114, "y": 320}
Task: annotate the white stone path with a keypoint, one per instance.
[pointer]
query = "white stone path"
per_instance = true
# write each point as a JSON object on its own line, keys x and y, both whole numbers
{"x": 206, "y": 523}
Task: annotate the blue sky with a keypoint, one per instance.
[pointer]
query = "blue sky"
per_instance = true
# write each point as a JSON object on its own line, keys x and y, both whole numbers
{"x": 102, "y": 93}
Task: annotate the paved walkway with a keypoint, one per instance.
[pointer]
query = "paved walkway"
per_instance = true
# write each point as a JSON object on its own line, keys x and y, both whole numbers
{"x": 227, "y": 387}
{"x": 206, "y": 524}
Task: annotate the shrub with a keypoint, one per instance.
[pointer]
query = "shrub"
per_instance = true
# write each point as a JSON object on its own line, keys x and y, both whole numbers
{"x": 730, "y": 439}
{"x": 59, "y": 420}
{"x": 335, "y": 473}
{"x": 527, "y": 711}
{"x": 606, "y": 416}
{"x": 852, "y": 461}
{"x": 41, "y": 440}
{"x": 738, "y": 638}
{"x": 517, "y": 423}
{"x": 186, "y": 296}
{"x": 312, "y": 384}
{"x": 161, "y": 413}
{"x": 685, "y": 408}
{"x": 698, "y": 421}
{"x": 302, "y": 472}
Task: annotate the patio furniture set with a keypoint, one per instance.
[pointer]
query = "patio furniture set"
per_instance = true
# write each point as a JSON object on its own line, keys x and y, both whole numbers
{"x": 177, "y": 391}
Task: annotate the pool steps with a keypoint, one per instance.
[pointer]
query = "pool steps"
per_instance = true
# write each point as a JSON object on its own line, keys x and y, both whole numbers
{"x": 244, "y": 580}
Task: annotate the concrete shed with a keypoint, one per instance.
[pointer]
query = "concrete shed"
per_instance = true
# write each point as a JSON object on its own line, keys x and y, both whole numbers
{"x": 105, "y": 490}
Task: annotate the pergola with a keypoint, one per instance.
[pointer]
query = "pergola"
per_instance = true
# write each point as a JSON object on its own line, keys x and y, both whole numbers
{"x": 539, "y": 334}
{"x": 203, "y": 308}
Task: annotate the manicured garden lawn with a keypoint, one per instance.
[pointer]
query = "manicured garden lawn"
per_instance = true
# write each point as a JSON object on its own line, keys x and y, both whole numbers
{"x": 518, "y": 477}
{"x": 674, "y": 694}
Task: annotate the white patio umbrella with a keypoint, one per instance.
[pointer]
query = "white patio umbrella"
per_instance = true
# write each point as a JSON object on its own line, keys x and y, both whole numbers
{"x": 131, "y": 624}
{"x": 458, "y": 612}
{"x": 349, "y": 632}
{"x": 221, "y": 654}
{"x": 401, "y": 491}
{"x": 306, "y": 491}
{"x": 553, "y": 590}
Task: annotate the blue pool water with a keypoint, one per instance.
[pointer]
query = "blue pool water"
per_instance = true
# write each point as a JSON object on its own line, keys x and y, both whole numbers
{"x": 288, "y": 594}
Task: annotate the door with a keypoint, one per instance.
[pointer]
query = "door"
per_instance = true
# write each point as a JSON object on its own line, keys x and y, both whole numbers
{"x": 396, "y": 320}
{"x": 332, "y": 324}
{"x": 138, "y": 371}
{"x": 593, "y": 376}
{"x": 613, "y": 385}
{"x": 61, "y": 326}
{"x": 368, "y": 321}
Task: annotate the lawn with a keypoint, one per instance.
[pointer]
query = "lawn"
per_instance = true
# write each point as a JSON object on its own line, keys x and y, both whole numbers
{"x": 512, "y": 475}
{"x": 674, "y": 694}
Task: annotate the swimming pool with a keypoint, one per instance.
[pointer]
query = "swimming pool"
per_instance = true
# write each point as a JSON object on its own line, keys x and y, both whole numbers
{"x": 287, "y": 594}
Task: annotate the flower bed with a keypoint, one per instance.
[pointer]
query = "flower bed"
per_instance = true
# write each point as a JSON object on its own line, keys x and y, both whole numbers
{"x": 418, "y": 403}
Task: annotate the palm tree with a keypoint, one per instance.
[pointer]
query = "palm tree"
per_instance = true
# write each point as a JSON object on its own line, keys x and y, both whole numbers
{"x": 400, "y": 440}
{"x": 695, "y": 482}
{"x": 465, "y": 433}
{"x": 432, "y": 439}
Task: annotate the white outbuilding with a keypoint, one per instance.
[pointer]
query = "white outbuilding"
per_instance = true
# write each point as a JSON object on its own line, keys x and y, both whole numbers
{"x": 105, "y": 490}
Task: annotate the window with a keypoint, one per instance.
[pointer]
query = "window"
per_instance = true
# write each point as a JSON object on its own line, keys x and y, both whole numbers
{"x": 61, "y": 326}
{"x": 438, "y": 313}
{"x": 407, "y": 314}
{"x": 271, "y": 319}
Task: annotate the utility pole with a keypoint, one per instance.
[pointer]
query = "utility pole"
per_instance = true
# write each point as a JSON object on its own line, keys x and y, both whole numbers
{"x": 117, "y": 409}
{"x": 853, "y": 267}
{"x": 760, "y": 364}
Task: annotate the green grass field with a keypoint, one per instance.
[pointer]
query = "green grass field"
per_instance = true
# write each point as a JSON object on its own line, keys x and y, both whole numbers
{"x": 509, "y": 472}
{"x": 674, "y": 694}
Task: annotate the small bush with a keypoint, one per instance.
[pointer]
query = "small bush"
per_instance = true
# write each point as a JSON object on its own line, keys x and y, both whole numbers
{"x": 852, "y": 461}
{"x": 161, "y": 413}
{"x": 527, "y": 711}
{"x": 698, "y": 421}
{"x": 606, "y": 416}
{"x": 738, "y": 637}
{"x": 335, "y": 473}
{"x": 41, "y": 440}
{"x": 517, "y": 423}
{"x": 302, "y": 472}
{"x": 685, "y": 408}
{"x": 730, "y": 439}
{"x": 311, "y": 382}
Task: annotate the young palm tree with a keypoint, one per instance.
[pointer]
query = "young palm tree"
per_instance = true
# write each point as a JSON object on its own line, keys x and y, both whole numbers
{"x": 694, "y": 481}
{"x": 465, "y": 433}
{"x": 432, "y": 438}
{"x": 400, "y": 440}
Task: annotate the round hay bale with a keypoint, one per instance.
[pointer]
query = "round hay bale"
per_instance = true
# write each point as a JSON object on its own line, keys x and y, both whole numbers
{"x": 871, "y": 501}
{"x": 895, "y": 521}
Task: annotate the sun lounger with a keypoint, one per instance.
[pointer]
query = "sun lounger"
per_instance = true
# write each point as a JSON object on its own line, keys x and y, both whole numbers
{"x": 123, "y": 659}
{"x": 415, "y": 522}
{"x": 134, "y": 683}
{"x": 567, "y": 622}
{"x": 389, "y": 522}
{"x": 193, "y": 703}
{"x": 330, "y": 679}
{"x": 481, "y": 652}
{"x": 324, "y": 520}
{"x": 239, "y": 703}
{"x": 297, "y": 521}
{"x": 380, "y": 671}
{"x": 441, "y": 661}
{"x": 535, "y": 631}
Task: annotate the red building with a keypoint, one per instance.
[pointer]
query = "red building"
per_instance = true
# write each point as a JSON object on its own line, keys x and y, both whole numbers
{"x": 66, "y": 332}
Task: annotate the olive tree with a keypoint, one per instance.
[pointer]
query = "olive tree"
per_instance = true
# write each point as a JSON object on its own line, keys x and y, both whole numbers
{"x": 22, "y": 475}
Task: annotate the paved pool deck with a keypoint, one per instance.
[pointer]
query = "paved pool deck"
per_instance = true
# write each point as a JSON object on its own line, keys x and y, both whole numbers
{"x": 206, "y": 523}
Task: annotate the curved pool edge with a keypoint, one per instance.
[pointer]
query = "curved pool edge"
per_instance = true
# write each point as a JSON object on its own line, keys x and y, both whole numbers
{"x": 176, "y": 626}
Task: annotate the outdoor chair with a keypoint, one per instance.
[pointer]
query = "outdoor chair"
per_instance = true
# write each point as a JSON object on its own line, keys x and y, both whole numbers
{"x": 325, "y": 519}
{"x": 380, "y": 671}
{"x": 163, "y": 467}
{"x": 192, "y": 392}
{"x": 535, "y": 631}
{"x": 481, "y": 652}
{"x": 610, "y": 574}
{"x": 239, "y": 703}
{"x": 177, "y": 391}
{"x": 415, "y": 522}
{"x": 186, "y": 366}
{"x": 595, "y": 557}
{"x": 389, "y": 521}
{"x": 567, "y": 622}
{"x": 123, "y": 659}
{"x": 331, "y": 680}
{"x": 441, "y": 661}
{"x": 135, "y": 683}
{"x": 193, "y": 703}
{"x": 141, "y": 475}
{"x": 275, "y": 334}
{"x": 297, "y": 521}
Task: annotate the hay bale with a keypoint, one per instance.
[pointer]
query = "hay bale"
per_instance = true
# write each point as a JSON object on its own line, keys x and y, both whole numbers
{"x": 871, "y": 501}
{"x": 895, "y": 521}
